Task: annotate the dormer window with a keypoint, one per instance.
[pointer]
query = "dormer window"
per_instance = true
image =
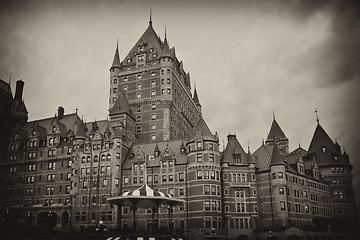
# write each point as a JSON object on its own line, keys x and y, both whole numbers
{"x": 323, "y": 149}
{"x": 125, "y": 79}
{"x": 15, "y": 136}
{"x": 91, "y": 136}
{"x": 138, "y": 77}
{"x": 34, "y": 133}
{"x": 182, "y": 150}
{"x": 151, "y": 50}
{"x": 53, "y": 129}
{"x": 154, "y": 55}
{"x": 336, "y": 158}
{"x": 237, "y": 158}
{"x": 129, "y": 61}
{"x": 199, "y": 145}
{"x": 125, "y": 88}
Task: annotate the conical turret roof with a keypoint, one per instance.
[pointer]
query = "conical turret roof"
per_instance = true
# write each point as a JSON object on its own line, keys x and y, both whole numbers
{"x": 202, "y": 129}
{"x": 116, "y": 61}
{"x": 275, "y": 132}
{"x": 196, "y": 98}
{"x": 121, "y": 105}
{"x": 276, "y": 158}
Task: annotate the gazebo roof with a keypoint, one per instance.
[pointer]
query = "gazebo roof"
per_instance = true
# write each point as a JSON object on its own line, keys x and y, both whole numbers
{"x": 145, "y": 197}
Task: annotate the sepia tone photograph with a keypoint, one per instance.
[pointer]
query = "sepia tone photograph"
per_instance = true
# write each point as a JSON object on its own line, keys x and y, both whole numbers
{"x": 203, "y": 119}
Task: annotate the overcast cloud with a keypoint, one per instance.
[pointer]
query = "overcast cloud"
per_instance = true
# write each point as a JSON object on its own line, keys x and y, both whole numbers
{"x": 248, "y": 59}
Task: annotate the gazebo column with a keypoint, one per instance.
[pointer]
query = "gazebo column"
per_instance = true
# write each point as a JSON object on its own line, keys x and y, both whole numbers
{"x": 119, "y": 212}
{"x": 134, "y": 223}
{"x": 171, "y": 226}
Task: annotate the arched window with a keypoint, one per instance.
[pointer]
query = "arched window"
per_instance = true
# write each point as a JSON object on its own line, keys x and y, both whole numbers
{"x": 96, "y": 158}
{"x": 88, "y": 159}
{"x": 103, "y": 157}
{"x": 83, "y": 159}
{"x": 108, "y": 157}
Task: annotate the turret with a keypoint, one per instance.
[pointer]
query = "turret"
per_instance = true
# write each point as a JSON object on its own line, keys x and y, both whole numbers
{"x": 277, "y": 136}
{"x": 196, "y": 100}
{"x": 114, "y": 77}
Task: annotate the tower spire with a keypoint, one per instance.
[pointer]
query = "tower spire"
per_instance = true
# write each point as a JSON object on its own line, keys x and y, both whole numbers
{"x": 150, "y": 21}
{"x": 165, "y": 33}
{"x": 317, "y": 116}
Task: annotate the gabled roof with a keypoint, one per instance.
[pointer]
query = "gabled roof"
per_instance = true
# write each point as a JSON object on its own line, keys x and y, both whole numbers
{"x": 295, "y": 155}
{"x": 149, "y": 150}
{"x": 233, "y": 147}
{"x": 276, "y": 158}
{"x": 275, "y": 132}
{"x": 121, "y": 105}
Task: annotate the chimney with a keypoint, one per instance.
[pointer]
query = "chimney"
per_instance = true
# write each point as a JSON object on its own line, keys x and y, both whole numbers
{"x": 19, "y": 90}
{"x": 60, "y": 112}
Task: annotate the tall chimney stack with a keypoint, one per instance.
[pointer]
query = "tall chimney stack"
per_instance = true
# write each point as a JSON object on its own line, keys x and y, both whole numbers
{"x": 61, "y": 112}
{"x": 19, "y": 90}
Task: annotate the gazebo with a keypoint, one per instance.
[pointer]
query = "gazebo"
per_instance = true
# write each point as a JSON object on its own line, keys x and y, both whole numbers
{"x": 146, "y": 197}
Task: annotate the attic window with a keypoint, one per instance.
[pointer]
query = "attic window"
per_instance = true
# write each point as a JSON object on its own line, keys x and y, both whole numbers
{"x": 125, "y": 88}
{"x": 15, "y": 136}
{"x": 237, "y": 158}
{"x": 154, "y": 55}
{"x": 336, "y": 158}
{"x": 323, "y": 149}
{"x": 151, "y": 50}
{"x": 34, "y": 132}
{"x": 138, "y": 76}
{"x": 125, "y": 79}
{"x": 129, "y": 61}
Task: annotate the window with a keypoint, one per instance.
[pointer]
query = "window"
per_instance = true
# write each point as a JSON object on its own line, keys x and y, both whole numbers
{"x": 153, "y": 106}
{"x": 153, "y": 137}
{"x": 153, "y": 94}
{"x": 138, "y": 86}
{"x": 138, "y": 77}
{"x": 138, "y": 118}
{"x": 206, "y": 189}
{"x": 199, "y": 157}
{"x": 138, "y": 108}
{"x": 181, "y": 192}
{"x": 282, "y": 206}
{"x": 212, "y": 174}
{"x": 153, "y": 126}
{"x": 168, "y": 91}
{"x": 152, "y": 83}
{"x": 211, "y": 157}
{"x": 153, "y": 116}
{"x": 181, "y": 177}
{"x": 207, "y": 205}
{"x": 281, "y": 191}
{"x": 115, "y": 81}
{"x": 199, "y": 145}
{"x": 323, "y": 149}
{"x": 199, "y": 174}
{"x": 138, "y": 95}
{"x": 281, "y": 176}
{"x": 125, "y": 88}
{"x": 206, "y": 174}
{"x": 274, "y": 175}
{"x": 114, "y": 89}
{"x": 164, "y": 178}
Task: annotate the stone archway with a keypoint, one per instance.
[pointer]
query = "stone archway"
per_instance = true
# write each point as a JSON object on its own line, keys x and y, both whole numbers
{"x": 48, "y": 218}
{"x": 65, "y": 219}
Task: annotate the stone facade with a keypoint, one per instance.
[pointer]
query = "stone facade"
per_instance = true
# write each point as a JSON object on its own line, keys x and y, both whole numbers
{"x": 59, "y": 171}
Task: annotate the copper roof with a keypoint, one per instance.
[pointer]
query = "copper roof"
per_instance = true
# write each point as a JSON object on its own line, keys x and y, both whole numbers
{"x": 275, "y": 132}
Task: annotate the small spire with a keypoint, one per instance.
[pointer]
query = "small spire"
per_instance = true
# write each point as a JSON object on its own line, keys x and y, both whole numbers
{"x": 76, "y": 109}
{"x": 262, "y": 141}
{"x": 317, "y": 116}
{"x": 248, "y": 142}
{"x": 10, "y": 79}
{"x": 150, "y": 22}
{"x": 273, "y": 115}
{"x": 117, "y": 44}
{"x": 165, "y": 32}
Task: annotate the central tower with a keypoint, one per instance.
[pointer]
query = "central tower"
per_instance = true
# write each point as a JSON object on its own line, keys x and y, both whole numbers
{"x": 157, "y": 88}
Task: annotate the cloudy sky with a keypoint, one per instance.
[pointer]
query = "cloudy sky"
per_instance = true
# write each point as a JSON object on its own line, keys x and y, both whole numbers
{"x": 248, "y": 59}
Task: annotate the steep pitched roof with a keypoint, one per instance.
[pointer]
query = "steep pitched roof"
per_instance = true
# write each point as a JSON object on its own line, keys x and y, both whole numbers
{"x": 275, "y": 132}
{"x": 202, "y": 129}
{"x": 149, "y": 149}
{"x": 233, "y": 147}
{"x": 116, "y": 61}
{"x": 322, "y": 140}
{"x": 276, "y": 158}
{"x": 295, "y": 155}
{"x": 150, "y": 39}
{"x": 196, "y": 98}
{"x": 121, "y": 105}
{"x": 263, "y": 155}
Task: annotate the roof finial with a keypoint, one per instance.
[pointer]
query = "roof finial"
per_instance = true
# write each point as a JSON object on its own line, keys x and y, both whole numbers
{"x": 150, "y": 22}
{"x": 273, "y": 115}
{"x": 317, "y": 116}
{"x": 165, "y": 31}
{"x": 76, "y": 109}
{"x": 10, "y": 79}
{"x": 117, "y": 44}
{"x": 299, "y": 145}
{"x": 248, "y": 142}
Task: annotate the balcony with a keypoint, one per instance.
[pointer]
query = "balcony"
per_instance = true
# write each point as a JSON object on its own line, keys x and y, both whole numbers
{"x": 239, "y": 184}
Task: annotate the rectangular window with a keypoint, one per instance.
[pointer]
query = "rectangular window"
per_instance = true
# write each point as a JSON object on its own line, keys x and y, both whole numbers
{"x": 181, "y": 177}
{"x": 207, "y": 205}
{"x": 206, "y": 189}
{"x": 199, "y": 157}
{"x": 282, "y": 206}
{"x": 199, "y": 174}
